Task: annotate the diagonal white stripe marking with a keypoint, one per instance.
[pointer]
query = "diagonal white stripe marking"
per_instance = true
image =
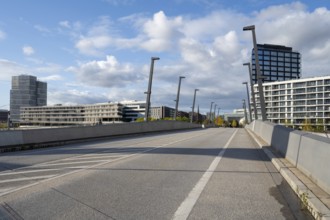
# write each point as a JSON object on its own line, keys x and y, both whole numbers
{"x": 27, "y": 178}
{"x": 71, "y": 163}
{"x": 187, "y": 205}
{"x": 26, "y": 171}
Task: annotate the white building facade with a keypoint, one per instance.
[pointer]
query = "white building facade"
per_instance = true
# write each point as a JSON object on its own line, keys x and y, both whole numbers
{"x": 295, "y": 102}
{"x": 58, "y": 115}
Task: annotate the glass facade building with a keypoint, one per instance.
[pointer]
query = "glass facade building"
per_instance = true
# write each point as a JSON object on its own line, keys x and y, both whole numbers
{"x": 26, "y": 91}
{"x": 277, "y": 63}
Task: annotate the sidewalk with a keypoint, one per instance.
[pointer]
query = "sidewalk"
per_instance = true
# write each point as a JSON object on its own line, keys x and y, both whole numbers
{"x": 313, "y": 198}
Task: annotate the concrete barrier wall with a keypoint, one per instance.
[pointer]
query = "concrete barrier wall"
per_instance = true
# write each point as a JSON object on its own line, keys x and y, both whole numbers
{"x": 39, "y": 136}
{"x": 310, "y": 153}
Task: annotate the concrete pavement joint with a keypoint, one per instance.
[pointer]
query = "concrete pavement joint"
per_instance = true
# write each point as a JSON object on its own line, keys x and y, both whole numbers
{"x": 307, "y": 197}
{"x": 182, "y": 213}
{"x": 64, "y": 194}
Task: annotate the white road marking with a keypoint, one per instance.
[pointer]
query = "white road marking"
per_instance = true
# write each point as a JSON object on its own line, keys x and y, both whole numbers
{"x": 69, "y": 163}
{"x": 187, "y": 205}
{"x": 26, "y": 171}
{"x": 26, "y": 178}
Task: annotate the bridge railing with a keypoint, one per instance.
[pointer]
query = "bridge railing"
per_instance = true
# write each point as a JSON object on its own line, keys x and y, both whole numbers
{"x": 32, "y": 137}
{"x": 308, "y": 152}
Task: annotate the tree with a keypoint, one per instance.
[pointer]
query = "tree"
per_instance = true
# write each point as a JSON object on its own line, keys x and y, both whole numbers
{"x": 219, "y": 121}
{"x": 234, "y": 123}
{"x": 307, "y": 125}
{"x": 185, "y": 119}
{"x": 319, "y": 125}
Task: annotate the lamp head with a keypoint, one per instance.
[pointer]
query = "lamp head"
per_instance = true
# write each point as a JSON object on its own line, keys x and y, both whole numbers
{"x": 155, "y": 58}
{"x": 246, "y": 64}
{"x": 244, "y": 82}
{"x": 249, "y": 28}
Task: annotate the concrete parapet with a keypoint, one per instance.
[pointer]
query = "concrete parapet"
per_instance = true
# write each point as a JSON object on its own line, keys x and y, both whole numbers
{"x": 310, "y": 153}
{"x": 40, "y": 136}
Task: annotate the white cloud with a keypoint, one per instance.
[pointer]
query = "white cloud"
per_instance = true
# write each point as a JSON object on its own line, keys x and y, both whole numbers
{"x": 209, "y": 50}
{"x": 51, "y": 78}
{"x": 48, "y": 68}
{"x": 106, "y": 73}
{"x": 28, "y": 50}
{"x": 9, "y": 68}
{"x": 93, "y": 45}
{"x": 120, "y": 2}
{"x": 65, "y": 24}
{"x": 161, "y": 32}
{"x": 42, "y": 29}
{"x": 74, "y": 97}
{"x": 2, "y": 35}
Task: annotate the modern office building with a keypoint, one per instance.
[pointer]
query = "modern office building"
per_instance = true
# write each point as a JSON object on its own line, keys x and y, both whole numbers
{"x": 58, "y": 115}
{"x": 277, "y": 63}
{"x": 237, "y": 115}
{"x": 3, "y": 115}
{"x": 295, "y": 102}
{"x": 133, "y": 110}
{"x": 26, "y": 91}
{"x": 161, "y": 112}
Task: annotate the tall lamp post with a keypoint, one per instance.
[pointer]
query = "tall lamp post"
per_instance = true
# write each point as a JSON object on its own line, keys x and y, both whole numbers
{"x": 252, "y": 92}
{"x": 245, "y": 114}
{"x": 215, "y": 106}
{"x": 177, "y": 97}
{"x": 210, "y": 117}
{"x": 193, "y": 107}
{"x": 146, "y": 118}
{"x": 248, "y": 96}
{"x": 261, "y": 92}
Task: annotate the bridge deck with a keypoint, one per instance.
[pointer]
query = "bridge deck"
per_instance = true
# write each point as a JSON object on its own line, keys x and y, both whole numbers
{"x": 202, "y": 174}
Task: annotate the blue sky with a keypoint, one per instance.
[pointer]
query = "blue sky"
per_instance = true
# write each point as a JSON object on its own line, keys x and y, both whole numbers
{"x": 91, "y": 51}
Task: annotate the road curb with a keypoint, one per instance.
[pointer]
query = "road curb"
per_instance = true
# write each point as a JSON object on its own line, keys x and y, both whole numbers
{"x": 307, "y": 197}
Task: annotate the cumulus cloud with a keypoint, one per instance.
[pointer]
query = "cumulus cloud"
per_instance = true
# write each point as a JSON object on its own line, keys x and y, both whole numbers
{"x": 209, "y": 50}
{"x": 65, "y": 24}
{"x": 51, "y": 78}
{"x": 74, "y": 97}
{"x": 28, "y": 50}
{"x": 42, "y": 29}
{"x": 105, "y": 73}
{"x": 2, "y": 35}
{"x": 9, "y": 68}
{"x": 161, "y": 32}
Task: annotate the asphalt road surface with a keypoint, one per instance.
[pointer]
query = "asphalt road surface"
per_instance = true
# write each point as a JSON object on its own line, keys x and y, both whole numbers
{"x": 212, "y": 173}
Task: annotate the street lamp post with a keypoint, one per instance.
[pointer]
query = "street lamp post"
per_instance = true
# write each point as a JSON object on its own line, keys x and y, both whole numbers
{"x": 218, "y": 112}
{"x": 193, "y": 107}
{"x": 210, "y": 117}
{"x": 245, "y": 114}
{"x": 248, "y": 96}
{"x": 252, "y": 92}
{"x": 215, "y": 106}
{"x": 261, "y": 92}
{"x": 177, "y": 97}
{"x": 146, "y": 118}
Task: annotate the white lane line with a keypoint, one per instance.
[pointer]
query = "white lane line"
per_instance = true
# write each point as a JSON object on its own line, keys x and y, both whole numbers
{"x": 27, "y": 178}
{"x": 27, "y": 171}
{"x": 92, "y": 157}
{"x": 77, "y": 162}
{"x": 187, "y": 205}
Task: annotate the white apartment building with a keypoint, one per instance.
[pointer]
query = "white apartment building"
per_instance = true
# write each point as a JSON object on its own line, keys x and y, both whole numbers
{"x": 295, "y": 102}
